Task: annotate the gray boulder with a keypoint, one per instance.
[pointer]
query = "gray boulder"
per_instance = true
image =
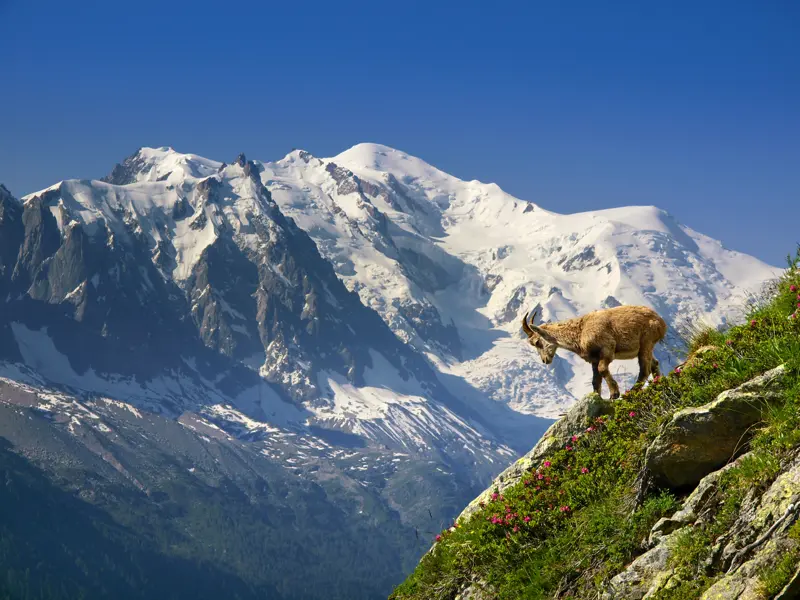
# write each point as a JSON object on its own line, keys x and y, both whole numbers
{"x": 700, "y": 440}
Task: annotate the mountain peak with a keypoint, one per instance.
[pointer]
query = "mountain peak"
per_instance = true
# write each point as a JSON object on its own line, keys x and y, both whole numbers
{"x": 157, "y": 164}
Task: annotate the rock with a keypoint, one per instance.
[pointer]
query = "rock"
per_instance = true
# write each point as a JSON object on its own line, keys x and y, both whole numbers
{"x": 573, "y": 423}
{"x": 645, "y": 575}
{"x": 477, "y": 590}
{"x": 700, "y": 440}
{"x": 759, "y": 539}
{"x": 693, "y": 508}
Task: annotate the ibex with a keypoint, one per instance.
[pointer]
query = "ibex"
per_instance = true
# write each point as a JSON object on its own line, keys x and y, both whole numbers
{"x": 600, "y": 337}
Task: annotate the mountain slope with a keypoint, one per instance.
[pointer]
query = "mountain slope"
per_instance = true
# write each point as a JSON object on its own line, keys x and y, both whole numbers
{"x": 685, "y": 489}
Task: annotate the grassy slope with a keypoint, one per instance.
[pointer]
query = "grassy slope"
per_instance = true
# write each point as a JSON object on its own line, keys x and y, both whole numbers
{"x": 567, "y": 529}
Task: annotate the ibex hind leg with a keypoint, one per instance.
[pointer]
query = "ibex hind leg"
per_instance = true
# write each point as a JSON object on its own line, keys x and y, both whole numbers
{"x": 645, "y": 366}
{"x": 597, "y": 380}
{"x": 655, "y": 369}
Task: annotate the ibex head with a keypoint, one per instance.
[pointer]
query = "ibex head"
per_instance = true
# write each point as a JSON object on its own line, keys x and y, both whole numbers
{"x": 539, "y": 339}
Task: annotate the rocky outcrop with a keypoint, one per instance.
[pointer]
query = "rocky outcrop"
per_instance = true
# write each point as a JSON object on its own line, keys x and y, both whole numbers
{"x": 699, "y": 440}
{"x": 573, "y": 423}
{"x": 759, "y": 538}
{"x": 651, "y": 572}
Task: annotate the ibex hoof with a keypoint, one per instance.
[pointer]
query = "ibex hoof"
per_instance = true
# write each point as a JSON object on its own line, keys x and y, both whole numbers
{"x": 615, "y": 396}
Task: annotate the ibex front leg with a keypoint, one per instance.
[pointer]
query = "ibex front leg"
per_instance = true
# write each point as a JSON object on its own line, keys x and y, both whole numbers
{"x": 605, "y": 372}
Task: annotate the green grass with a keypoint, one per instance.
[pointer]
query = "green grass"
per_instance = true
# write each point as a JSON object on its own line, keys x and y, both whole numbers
{"x": 774, "y": 580}
{"x": 572, "y": 524}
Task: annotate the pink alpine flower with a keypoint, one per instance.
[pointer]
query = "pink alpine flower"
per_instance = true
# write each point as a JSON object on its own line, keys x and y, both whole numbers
{"x": 678, "y": 370}
{"x": 715, "y": 366}
{"x": 792, "y": 288}
{"x": 546, "y": 464}
{"x": 632, "y": 414}
{"x": 495, "y": 496}
{"x": 584, "y": 470}
{"x": 568, "y": 447}
{"x": 574, "y": 438}
{"x": 527, "y": 519}
{"x": 753, "y": 323}
{"x": 564, "y": 509}
{"x": 438, "y": 538}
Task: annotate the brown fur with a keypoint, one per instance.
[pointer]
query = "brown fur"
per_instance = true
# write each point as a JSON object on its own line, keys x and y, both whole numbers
{"x": 601, "y": 336}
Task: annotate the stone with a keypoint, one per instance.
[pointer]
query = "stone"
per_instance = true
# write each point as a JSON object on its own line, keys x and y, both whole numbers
{"x": 757, "y": 520}
{"x": 477, "y": 590}
{"x": 646, "y": 575}
{"x": 693, "y": 507}
{"x": 698, "y": 441}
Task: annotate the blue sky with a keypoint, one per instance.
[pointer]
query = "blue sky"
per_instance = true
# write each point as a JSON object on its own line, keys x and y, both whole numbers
{"x": 691, "y": 106}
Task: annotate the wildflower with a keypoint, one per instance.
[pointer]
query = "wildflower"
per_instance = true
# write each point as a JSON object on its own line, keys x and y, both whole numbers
{"x": 564, "y": 509}
{"x": 584, "y": 470}
{"x": 539, "y": 476}
{"x": 715, "y": 366}
{"x": 792, "y": 288}
{"x": 527, "y": 519}
{"x": 438, "y": 538}
{"x": 678, "y": 370}
{"x": 574, "y": 438}
{"x": 590, "y": 429}
{"x": 656, "y": 378}
{"x": 495, "y": 496}
{"x": 632, "y": 414}
{"x": 526, "y": 483}
{"x": 753, "y": 323}
{"x": 729, "y": 342}
{"x": 546, "y": 464}
{"x": 516, "y": 529}
{"x": 568, "y": 448}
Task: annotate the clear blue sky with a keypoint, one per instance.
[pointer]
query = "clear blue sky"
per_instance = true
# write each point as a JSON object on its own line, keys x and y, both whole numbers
{"x": 691, "y": 106}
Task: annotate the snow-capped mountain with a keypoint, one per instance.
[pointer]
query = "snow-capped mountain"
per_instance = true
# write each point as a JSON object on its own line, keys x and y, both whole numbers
{"x": 453, "y": 265}
{"x": 353, "y": 321}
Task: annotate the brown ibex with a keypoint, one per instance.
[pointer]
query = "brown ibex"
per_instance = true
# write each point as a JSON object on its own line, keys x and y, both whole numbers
{"x": 600, "y": 337}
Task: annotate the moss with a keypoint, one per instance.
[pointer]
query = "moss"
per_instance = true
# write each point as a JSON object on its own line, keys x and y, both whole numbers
{"x": 569, "y": 527}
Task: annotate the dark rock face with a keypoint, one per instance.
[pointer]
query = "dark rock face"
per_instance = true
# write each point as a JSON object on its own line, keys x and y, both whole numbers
{"x": 583, "y": 260}
{"x": 13, "y": 233}
{"x": 109, "y": 302}
{"x": 126, "y": 172}
{"x": 700, "y": 440}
